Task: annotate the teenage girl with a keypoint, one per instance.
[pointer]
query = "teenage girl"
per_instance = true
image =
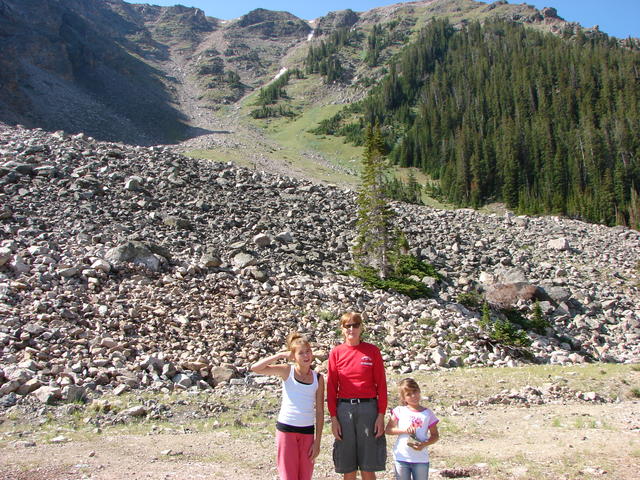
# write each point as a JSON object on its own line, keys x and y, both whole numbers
{"x": 417, "y": 428}
{"x": 301, "y": 417}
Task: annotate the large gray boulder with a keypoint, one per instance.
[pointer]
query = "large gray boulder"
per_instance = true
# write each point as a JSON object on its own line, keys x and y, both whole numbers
{"x": 135, "y": 252}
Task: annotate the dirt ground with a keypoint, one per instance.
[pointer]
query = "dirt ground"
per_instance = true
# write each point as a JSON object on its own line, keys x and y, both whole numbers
{"x": 571, "y": 439}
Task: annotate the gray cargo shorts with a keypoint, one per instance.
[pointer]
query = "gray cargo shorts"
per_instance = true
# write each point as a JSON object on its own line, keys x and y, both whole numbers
{"x": 359, "y": 449}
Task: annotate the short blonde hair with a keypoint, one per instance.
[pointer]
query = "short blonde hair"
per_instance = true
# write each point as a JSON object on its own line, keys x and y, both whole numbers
{"x": 350, "y": 317}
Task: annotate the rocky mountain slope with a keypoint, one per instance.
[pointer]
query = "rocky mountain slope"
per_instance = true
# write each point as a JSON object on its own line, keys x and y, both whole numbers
{"x": 148, "y": 75}
{"x": 133, "y": 267}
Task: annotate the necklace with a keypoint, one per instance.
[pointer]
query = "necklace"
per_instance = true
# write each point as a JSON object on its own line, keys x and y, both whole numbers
{"x": 305, "y": 377}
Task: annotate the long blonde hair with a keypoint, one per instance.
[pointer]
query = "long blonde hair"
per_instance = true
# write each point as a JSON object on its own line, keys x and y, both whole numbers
{"x": 407, "y": 385}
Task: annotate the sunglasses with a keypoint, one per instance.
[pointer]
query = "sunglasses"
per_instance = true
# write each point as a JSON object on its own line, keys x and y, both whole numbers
{"x": 351, "y": 325}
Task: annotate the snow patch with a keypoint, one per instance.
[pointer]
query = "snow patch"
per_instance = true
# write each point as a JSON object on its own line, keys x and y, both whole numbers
{"x": 280, "y": 73}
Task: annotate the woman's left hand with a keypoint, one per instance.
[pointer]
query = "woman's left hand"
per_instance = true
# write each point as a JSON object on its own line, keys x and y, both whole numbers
{"x": 379, "y": 425}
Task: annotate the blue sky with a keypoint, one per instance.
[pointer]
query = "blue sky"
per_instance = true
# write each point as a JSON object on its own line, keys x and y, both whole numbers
{"x": 620, "y": 18}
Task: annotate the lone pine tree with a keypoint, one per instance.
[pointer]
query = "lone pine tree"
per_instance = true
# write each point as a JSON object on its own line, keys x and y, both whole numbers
{"x": 377, "y": 238}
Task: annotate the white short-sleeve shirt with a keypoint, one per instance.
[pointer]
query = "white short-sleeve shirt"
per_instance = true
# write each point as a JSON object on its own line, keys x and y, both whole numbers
{"x": 405, "y": 417}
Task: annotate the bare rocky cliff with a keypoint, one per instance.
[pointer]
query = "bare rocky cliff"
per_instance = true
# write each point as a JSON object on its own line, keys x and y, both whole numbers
{"x": 129, "y": 73}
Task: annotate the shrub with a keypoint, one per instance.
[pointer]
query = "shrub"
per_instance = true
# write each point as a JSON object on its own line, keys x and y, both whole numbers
{"x": 398, "y": 283}
{"x": 407, "y": 265}
{"x": 471, "y": 300}
{"x": 538, "y": 323}
{"x": 507, "y": 333}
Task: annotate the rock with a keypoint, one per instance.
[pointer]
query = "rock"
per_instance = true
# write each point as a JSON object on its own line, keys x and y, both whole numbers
{"x": 210, "y": 260}
{"x": 112, "y": 326}
{"x": 557, "y": 294}
{"x": 222, "y": 374}
{"x": 28, "y": 387}
{"x": 68, "y": 272}
{"x": 486, "y": 278}
{"x": 8, "y": 400}
{"x": 134, "y": 184}
{"x": 513, "y": 275}
{"x": 108, "y": 342}
{"x": 74, "y": 394}
{"x": 506, "y": 295}
{"x": 120, "y": 389}
{"x": 60, "y": 439}
{"x": 243, "y": 260}
{"x": 182, "y": 381}
{"x": 101, "y": 266}
{"x": 5, "y": 255}
{"x": 262, "y": 240}
{"x": 134, "y": 252}
{"x": 439, "y": 357}
{"x": 284, "y": 237}
{"x": 178, "y": 223}
{"x": 18, "y": 265}
{"x": 135, "y": 412}
{"x": 47, "y": 394}
{"x": 9, "y": 387}
{"x": 18, "y": 373}
{"x": 560, "y": 244}
{"x": 169, "y": 370}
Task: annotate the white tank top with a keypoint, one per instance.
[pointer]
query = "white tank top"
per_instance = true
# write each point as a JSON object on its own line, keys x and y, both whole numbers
{"x": 298, "y": 401}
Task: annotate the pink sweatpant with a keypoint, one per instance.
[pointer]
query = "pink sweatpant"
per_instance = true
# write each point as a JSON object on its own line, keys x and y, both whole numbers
{"x": 294, "y": 462}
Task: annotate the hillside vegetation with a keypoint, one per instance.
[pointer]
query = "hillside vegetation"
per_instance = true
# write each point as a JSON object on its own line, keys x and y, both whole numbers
{"x": 491, "y": 102}
{"x": 500, "y": 112}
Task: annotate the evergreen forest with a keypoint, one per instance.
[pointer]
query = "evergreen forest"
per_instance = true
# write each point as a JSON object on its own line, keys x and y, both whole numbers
{"x": 501, "y": 112}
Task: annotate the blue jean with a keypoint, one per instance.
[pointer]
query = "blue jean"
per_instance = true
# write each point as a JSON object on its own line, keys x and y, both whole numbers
{"x": 411, "y": 471}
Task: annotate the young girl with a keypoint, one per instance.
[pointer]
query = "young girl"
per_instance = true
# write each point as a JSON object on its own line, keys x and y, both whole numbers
{"x": 417, "y": 428}
{"x": 301, "y": 417}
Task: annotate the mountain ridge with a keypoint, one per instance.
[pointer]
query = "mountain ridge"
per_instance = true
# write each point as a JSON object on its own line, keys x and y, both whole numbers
{"x": 121, "y": 71}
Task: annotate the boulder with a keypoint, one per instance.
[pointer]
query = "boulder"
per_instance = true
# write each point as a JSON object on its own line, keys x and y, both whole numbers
{"x": 5, "y": 255}
{"x": 182, "y": 381}
{"x": 134, "y": 412}
{"x": 47, "y": 394}
{"x": 262, "y": 240}
{"x": 134, "y": 252}
{"x": 243, "y": 260}
{"x": 210, "y": 260}
{"x": 223, "y": 373}
{"x": 560, "y": 244}
{"x": 134, "y": 184}
{"x": 507, "y": 295}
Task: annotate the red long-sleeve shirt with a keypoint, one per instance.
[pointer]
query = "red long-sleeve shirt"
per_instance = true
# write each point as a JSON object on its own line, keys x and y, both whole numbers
{"x": 356, "y": 372}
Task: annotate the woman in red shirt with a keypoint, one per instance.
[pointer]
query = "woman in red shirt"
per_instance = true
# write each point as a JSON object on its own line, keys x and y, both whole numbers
{"x": 357, "y": 401}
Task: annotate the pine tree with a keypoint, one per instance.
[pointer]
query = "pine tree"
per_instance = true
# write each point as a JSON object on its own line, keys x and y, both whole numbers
{"x": 377, "y": 238}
